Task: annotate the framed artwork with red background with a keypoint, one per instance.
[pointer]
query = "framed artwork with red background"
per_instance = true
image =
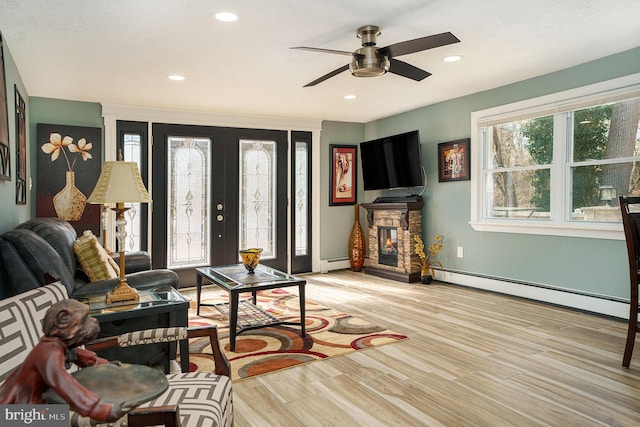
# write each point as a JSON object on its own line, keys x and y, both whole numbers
{"x": 343, "y": 164}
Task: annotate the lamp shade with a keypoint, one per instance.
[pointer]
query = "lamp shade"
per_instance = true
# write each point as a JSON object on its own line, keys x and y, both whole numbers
{"x": 119, "y": 182}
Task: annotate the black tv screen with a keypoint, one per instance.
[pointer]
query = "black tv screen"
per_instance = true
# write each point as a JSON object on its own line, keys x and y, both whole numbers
{"x": 392, "y": 162}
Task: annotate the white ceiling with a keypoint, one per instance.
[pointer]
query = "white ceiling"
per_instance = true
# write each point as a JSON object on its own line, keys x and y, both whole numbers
{"x": 121, "y": 51}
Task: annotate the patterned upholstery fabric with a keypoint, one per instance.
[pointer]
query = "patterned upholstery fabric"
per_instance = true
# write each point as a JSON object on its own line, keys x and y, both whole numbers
{"x": 152, "y": 336}
{"x": 21, "y": 323}
{"x": 204, "y": 400}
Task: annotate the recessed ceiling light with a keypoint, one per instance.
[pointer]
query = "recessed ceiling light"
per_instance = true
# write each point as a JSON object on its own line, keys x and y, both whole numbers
{"x": 176, "y": 77}
{"x": 226, "y": 16}
{"x": 452, "y": 58}
{"x": 350, "y": 97}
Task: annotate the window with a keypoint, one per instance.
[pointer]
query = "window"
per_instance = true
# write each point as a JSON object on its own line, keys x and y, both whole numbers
{"x": 301, "y": 198}
{"x": 258, "y": 196}
{"x": 189, "y": 199}
{"x": 132, "y": 143}
{"x": 555, "y": 165}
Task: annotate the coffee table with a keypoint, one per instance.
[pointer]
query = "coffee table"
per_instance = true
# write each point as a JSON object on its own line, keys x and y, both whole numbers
{"x": 159, "y": 307}
{"x": 236, "y": 280}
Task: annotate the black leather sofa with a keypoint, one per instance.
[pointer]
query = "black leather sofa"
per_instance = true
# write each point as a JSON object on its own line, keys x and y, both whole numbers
{"x": 43, "y": 246}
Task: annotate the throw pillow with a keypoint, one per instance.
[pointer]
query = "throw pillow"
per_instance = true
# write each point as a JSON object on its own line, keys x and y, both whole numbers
{"x": 95, "y": 261}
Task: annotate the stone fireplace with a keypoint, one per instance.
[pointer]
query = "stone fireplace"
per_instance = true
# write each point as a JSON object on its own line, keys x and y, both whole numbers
{"x": 392, "y": 227}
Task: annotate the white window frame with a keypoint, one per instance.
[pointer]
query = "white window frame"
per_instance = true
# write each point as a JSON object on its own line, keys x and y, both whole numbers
{"x": 561, "y": 102}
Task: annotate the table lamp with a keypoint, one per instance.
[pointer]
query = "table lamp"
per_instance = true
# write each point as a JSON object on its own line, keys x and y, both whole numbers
{"x": 120, "y": 182}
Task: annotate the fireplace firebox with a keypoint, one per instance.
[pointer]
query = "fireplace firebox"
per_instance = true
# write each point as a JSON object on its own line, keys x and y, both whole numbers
{"x": 388, "y": 246}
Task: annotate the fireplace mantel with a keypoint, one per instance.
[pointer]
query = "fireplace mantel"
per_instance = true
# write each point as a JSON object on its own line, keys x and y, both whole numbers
{"x": 406, "y": 217}
{"x": 404, "y": 208}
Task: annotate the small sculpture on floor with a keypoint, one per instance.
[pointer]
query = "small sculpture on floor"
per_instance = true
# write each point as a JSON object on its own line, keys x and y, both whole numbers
{"x": 66, "y": 326}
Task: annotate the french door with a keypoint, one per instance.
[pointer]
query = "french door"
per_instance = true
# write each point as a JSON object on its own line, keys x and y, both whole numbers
{"x": 217, "y": 190}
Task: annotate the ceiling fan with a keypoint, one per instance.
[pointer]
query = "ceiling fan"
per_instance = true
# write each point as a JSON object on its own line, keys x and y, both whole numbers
{"x": 370, "y": 61}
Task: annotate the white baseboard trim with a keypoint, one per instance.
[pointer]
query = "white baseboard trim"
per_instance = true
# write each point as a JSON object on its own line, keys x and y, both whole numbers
{"x": 594, "y": 304}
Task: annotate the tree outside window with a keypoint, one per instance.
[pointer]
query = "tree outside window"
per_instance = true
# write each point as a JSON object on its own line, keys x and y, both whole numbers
{"x": 603, "y": 149}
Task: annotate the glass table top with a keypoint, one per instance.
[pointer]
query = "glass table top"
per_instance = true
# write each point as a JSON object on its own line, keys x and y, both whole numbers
{"x": 236, "y": 276}
{"x": 162, "y": 295}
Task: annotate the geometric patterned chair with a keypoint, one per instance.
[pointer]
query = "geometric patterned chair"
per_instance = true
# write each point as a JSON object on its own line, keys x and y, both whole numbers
{"x": 192, "y": 399}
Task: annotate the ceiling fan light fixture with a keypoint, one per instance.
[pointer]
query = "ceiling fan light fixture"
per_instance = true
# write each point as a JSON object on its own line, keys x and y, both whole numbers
{"x": 368, "y": 62}
{"x": 368, "y": 34}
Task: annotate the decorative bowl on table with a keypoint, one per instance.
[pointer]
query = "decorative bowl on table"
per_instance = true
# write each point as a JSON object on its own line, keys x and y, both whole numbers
{"x": 251, "y": 258}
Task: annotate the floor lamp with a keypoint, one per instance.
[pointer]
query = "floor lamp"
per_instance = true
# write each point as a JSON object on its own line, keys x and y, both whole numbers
{"x": 120, "y": 182}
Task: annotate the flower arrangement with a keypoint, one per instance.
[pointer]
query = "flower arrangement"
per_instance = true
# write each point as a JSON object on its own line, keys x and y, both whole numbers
{"x": 56, "y": 145}
{"x": 426, "y": 258}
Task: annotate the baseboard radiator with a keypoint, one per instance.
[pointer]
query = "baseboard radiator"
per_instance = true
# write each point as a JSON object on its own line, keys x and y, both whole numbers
{"x": 327, "y": 265}
{"x": 593, "y": 303}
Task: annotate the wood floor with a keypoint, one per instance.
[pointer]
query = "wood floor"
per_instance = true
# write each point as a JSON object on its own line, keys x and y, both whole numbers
{"x": 472, "y": 358}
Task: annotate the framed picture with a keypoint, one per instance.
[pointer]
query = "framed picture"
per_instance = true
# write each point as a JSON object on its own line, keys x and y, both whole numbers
{"x": 454, "y": 160}
{"x": 5, "y": 164}
{"x": 65, "y": 178}
{"x": 21, "y": 149}
{"x": 342, "y": 161}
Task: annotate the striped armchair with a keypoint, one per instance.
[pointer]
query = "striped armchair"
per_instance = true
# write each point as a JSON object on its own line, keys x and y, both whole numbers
{"x": 192, "y": 399}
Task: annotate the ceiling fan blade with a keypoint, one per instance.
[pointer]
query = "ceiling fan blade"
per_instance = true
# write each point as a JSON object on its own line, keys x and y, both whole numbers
{"x": 317, "y": 49}
{"x": 327, "y": 76}
{"x": 407, "y": 70}
{"x": 417, "y": 45}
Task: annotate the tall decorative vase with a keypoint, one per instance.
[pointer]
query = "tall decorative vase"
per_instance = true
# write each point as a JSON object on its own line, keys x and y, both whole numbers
{"x": 356, "y": 243}
{"x": 69, "y": 202}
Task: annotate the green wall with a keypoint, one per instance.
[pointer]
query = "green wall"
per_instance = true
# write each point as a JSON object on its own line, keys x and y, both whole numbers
{"x": 10, "y": 213}
{"x": 590, "y": 265}
{"x": 336, "y": 221}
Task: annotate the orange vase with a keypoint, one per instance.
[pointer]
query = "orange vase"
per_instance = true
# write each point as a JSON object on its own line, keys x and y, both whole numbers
{"x": 356, "y": 243}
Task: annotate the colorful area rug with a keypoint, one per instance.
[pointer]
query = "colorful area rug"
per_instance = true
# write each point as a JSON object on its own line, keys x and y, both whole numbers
{"x": 329, "y": 333}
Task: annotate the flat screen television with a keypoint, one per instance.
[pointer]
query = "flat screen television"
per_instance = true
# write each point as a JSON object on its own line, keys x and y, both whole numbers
{"x": 392, "y": 162}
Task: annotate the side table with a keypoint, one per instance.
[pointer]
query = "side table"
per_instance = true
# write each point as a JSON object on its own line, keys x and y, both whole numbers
{"x": 159, "y": 307}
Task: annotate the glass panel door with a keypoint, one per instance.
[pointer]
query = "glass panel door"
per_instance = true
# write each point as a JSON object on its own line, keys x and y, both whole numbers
{"x": 188, "y": 204}
{"x": 258, "y": 197}
{"x": 217, "y": 190}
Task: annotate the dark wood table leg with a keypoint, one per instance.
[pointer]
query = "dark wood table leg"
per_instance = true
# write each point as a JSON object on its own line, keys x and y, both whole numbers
{"x": 233, "y": 319}
{"x": 254, "y": 295}
{"x": 198, "y": 291}
{"x": 303, "y": 325}
{"x": 182, "y": 319}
